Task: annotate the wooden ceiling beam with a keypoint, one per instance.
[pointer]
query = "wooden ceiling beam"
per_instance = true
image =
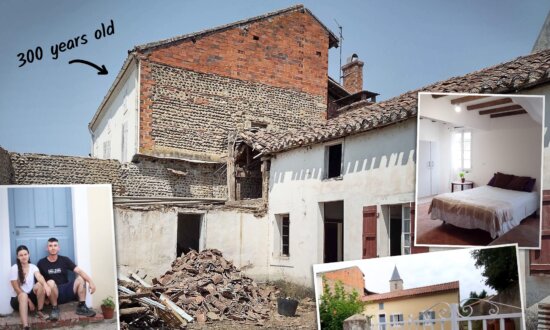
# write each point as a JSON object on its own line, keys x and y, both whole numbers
{"x": 501, "y": 109}
{"x": 489, "y": 104}
{"x": 465, "y": 99}
{"x": 436, "y": 96}
{"x": 508, "y": 113}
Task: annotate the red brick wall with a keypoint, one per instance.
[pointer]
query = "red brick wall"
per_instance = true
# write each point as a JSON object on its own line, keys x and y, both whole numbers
{"x": 352, "y": 278}
{"x": 291, "y": 53}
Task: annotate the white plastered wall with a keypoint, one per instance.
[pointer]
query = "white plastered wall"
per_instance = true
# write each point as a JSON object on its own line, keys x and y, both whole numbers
{"x": 378, "y": 169}
{"x": 120, "y": 109}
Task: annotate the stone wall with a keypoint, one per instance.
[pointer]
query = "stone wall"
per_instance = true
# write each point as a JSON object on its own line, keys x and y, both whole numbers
{"x": 146, "y": 178}
{"x": 6, "y": 169}
{"x": 166, "y": 178}
{"x": 202, "y": 109}
{"x": 271, "y": 71}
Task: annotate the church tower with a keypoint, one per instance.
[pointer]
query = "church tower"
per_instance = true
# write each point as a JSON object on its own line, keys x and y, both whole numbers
{"x": 396, "y": 283}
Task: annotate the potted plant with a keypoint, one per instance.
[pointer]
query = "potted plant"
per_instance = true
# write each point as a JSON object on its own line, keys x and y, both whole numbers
{"x": 461, "y": 175}
{"x": 108, "y": 308}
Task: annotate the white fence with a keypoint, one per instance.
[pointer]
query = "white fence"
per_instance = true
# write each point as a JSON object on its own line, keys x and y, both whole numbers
{"x": 447, "y": 316}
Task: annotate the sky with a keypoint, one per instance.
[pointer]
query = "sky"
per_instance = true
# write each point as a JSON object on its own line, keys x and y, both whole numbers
{"x": 418, "y": 270}
{"x": 46, "y": 105}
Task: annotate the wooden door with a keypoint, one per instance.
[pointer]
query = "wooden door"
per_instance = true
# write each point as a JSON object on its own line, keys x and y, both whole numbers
{"x": 37, "y": 214}
{"x": 369, "y": 232}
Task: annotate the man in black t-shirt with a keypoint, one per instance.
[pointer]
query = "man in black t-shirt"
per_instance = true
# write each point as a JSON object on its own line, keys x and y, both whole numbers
{"x": 55, "y": 269}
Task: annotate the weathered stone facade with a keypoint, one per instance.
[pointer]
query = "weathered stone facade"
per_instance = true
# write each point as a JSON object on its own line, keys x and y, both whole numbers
{"x": 6, "y": 170}
{"x": 271, "y": 70}
{"x": 147, "y": 178}
{"x": 201, "y": 109}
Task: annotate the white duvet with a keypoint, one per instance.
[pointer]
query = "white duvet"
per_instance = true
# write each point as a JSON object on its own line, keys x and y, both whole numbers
{"x": 522, "y": 205}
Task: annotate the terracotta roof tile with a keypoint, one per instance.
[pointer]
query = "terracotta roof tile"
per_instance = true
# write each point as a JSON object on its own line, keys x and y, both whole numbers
{"x": 521, "y": 73}
{"x": 450, "y": 286}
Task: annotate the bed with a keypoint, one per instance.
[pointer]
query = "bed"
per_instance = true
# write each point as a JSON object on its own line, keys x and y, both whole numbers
{"x": 495, "y": 210}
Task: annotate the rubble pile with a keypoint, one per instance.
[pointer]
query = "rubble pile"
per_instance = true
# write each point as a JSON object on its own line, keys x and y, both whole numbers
{"x": 204, "y": 285}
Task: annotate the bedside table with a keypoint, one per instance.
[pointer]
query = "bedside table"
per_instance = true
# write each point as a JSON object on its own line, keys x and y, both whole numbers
{"x": 461, "y": 184}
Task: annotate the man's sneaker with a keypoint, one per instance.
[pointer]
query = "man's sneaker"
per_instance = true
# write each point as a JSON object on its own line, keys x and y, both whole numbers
{"x": 85, "y": 311}
{"x": 54, "y": 314}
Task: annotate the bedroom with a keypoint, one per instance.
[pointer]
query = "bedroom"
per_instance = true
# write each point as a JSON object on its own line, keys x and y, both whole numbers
{"x": 479, "y": 169}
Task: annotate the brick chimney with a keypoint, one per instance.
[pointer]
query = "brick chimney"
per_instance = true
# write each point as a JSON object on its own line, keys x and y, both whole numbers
{"x": 352, "y": 73}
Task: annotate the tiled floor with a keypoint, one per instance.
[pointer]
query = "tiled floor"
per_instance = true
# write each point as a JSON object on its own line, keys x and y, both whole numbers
{"x": 437, "y": 233}
{"x": 68, "y": 318}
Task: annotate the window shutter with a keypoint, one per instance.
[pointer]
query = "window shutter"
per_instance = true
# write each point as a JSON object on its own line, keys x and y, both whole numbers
{"x": 414, "y": 248}
{"x": 369, "y": 232}
{"x": 539, "y": 260}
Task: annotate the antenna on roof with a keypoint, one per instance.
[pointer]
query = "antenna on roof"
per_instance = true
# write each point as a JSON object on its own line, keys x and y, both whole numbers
{"x": 340, "y": 42}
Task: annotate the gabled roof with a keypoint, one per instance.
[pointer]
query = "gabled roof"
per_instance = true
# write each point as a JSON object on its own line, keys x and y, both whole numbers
{"x": 333, "y": 40}
{"x": 424, "y": 290}
{"x": 521, "y": 73}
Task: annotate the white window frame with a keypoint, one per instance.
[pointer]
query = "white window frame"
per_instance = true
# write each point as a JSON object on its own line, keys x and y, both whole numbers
{"x": 461, "y": 133}
{"x": 398, "y": 323}
{"x": 431, "y": 320}
{"x": 279, "y": 246}
{"x": 405, "y": 217}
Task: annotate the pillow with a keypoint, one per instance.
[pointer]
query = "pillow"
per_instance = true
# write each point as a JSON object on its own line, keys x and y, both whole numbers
{"x": 502, "y": 180}
{"x": 530, "y": 185}
{"x": 492, "y": 181}
{"x": 518, "y": 183}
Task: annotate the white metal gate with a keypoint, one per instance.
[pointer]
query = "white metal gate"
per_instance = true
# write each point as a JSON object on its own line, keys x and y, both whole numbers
{"x": 447, "y": 316}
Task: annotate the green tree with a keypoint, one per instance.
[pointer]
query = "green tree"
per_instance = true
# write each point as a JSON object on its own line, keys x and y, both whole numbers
{"x": 338, "y": 305}
{"x": 499, "y": 265}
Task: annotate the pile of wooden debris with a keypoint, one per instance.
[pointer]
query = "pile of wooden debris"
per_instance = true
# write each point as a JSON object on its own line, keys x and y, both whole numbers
{"x": 200, "y": 287}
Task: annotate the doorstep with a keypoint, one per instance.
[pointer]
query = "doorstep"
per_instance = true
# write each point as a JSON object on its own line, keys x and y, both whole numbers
{"x": 67, "y": 318}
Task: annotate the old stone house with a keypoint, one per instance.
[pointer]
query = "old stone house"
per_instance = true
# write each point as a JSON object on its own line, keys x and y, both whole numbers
{"x": 235, "y": 138}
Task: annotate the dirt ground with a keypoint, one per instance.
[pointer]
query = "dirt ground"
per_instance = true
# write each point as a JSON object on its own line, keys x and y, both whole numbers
{"x": 305, "y": 318}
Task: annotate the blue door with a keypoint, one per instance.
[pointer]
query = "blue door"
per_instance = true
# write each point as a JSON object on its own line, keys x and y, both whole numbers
{"x": 37, "y": 214}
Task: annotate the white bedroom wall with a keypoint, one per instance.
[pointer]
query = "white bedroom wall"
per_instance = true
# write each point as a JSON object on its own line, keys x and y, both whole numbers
{"x": 511, "y": 151}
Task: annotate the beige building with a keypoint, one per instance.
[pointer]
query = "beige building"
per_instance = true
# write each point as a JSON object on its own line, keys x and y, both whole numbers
{"x": 399, "y": 305}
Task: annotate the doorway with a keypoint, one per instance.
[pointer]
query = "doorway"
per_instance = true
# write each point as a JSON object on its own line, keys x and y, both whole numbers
{"x": 396, "y": 229}
{"x": 334, "y": 231}
{"x": 189, "y": 232}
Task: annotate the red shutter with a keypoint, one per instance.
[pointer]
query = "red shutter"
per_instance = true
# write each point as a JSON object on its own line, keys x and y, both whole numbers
{"x": 415, "y": 249}
{"x": 540, "y": 259}
{"x": 369, "y": 232}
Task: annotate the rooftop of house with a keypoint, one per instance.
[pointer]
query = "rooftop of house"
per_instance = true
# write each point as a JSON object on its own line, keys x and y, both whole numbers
{"x": 521, "y": 73}
{"x": 424, "y": 290}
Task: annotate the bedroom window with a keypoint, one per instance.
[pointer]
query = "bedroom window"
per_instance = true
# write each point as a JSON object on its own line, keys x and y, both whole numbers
{"x": 462, "y": 150}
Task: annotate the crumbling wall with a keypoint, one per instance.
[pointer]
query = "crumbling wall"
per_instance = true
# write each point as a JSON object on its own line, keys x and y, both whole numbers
{"x": 249, "y": 187}
{"x": 273, "y": 71}
{"x": 6, "y": 169}
{"x": 48, "y": 169}
{"x": 201, "y": 109}
{"x": 167, "y": 178}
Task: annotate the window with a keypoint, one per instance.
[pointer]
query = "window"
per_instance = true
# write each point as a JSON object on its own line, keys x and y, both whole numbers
{"x": 285, "y": 236}
{"x": 381, "y": 306}
{"x": 382, "y": 321}
{"x": 106, "y": 149}
{"x": 462, "y": 150}
{"x": 334, "y": 160}
{"x": 396, "y": 319}
{"x": 406, "y": 230}
{"x": 282, "y": 242}
{"x": 426, "y": 317}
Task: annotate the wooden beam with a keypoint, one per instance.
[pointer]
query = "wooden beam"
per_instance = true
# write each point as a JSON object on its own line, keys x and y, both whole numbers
{"x": 436, "y": 96}
{"x": 465, "y": 99}
{"x": 508, "y": 113}
{"x": 489, "y": 104}
{"x": 501, "y": 109}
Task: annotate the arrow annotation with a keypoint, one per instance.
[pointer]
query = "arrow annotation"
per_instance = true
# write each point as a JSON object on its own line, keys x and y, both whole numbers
{"x": 101, "y": 70}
